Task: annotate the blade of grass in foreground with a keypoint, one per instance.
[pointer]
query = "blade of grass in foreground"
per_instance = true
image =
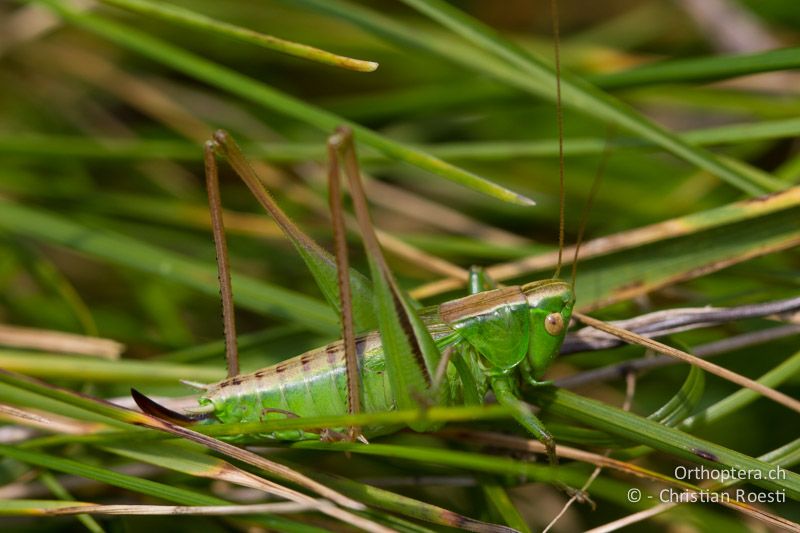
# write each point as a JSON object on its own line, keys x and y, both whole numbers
{"x": 604, "y": 488}
{"x": 264, "y": 95}
{"x": 58, "y": 508}
{"x": 397, "y": 503}
{"x": 742, "y": 397}
{"x": 392, "y": 418}
{"x": 668, "y": 440}
{"x": 200, "y": 22}
{"x": 132, "y": 483}
{"x": 182, "y": 459}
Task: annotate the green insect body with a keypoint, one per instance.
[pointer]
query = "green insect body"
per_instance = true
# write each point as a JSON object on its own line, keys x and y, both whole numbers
{"x": 506, "y": 335}
{"x": 449, "y": 354}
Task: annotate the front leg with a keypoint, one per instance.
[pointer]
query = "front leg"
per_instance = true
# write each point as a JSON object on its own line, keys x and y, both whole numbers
{"x": 504, "y": 391}
{"x": 526, "y": 371}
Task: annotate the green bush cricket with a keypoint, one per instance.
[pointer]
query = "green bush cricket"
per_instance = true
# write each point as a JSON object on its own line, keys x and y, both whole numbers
{"x": 473, "y": 353}
{"x": 449, "y": 354}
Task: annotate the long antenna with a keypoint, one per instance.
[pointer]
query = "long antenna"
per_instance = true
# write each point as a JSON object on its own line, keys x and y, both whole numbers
{"x": 598, "y": 178}
{"x": 560, "y": 122}
{"x": 223, "y": 268}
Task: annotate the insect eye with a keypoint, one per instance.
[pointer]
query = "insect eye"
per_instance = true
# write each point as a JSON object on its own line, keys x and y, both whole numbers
{"x": 554, "y": 324}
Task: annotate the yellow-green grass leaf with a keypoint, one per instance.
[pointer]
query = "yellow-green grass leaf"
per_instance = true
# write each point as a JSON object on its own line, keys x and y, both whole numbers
{"x": 207, "y": 24}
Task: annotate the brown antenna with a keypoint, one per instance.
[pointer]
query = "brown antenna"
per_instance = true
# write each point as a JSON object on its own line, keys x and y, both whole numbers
{"x": 560, "y": 126}
{"x": 598, "y": 178}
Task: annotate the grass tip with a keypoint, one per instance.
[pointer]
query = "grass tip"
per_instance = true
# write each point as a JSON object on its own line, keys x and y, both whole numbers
{"x": 369, "y": 66}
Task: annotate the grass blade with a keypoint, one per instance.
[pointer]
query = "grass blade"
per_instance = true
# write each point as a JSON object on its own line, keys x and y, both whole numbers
{"x": 659, "y": 437}
{"x": 208, "y": 25}
{"x": 702, "y": 69}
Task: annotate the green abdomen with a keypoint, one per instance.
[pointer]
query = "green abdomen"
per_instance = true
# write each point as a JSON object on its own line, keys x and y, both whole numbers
{"x": 310, "y": 385}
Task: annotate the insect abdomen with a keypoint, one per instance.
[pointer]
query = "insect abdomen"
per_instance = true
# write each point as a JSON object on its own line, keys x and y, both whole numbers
{"x": 309, "y": 385}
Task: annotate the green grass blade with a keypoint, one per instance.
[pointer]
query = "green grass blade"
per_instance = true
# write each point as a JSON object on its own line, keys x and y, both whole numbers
{"x": 208, "y": 25}
{"x": 19, "y": 393}
{"x": 497, "y": 496}
{"x": 116, "y": 479}
{"x": 733, "y": 403}
{"x": 704, "y": 69}
{"x": 398, "y": 503}
{"x": 92, "y": 369}
{"x": 410, "y": 353}
{"x": 452, "y": 458}
{"x": 188, "y": 460}
{"x": 399, "y": 418}
{"x": 34, "y": 507}
{"x": 684, "y": 402}
{"x": 669, "y": 414}
{"x": 133, "y": 483}
{"x": 668, "y": 440}
{"x": 120, "y": 416}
